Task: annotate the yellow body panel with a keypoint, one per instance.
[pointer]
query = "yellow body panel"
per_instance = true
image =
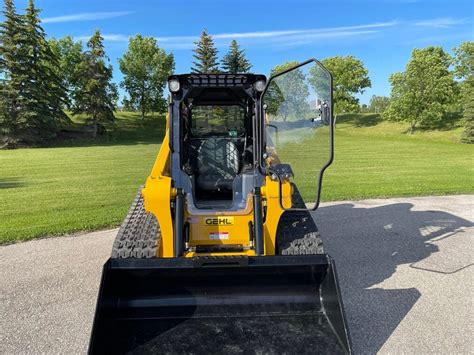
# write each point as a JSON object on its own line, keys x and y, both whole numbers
{"x": 271, "y": 196}
{"x": 211, "y": 229}
{"x": 158, "y": 194}
{"x": 224, "y": 232}
{"x": 162, "y": 162}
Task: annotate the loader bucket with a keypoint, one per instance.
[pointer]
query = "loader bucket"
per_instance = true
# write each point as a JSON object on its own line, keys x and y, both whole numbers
{"x": 277, "y": 304}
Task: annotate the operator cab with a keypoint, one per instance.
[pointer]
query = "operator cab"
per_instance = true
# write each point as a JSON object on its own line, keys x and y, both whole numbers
{"x": 216, "y": 114}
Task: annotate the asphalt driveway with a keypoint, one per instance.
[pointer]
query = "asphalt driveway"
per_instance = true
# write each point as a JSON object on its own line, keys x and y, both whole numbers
{"x": 405, "y": 270}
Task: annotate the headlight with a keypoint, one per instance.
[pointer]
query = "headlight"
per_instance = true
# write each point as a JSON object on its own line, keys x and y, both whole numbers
{"x": 173, "y": 85}
{"x": 260, "y": 85}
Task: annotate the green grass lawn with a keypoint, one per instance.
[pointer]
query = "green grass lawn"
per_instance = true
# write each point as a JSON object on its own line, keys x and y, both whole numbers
{"x": 88, "y": 185}
{"x": 377, "y": 159}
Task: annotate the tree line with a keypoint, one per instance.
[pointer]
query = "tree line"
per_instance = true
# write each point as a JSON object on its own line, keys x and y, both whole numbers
{"x": 434, "y": 89}
{"x": 42, "y": 80}
{"x": 207, "y": 61}
{"x": 434, "y": 86}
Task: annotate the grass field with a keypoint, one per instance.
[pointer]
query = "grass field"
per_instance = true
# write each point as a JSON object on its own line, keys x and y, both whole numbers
{"x": 377, "y": 159}
{"x": 89, "y": 185}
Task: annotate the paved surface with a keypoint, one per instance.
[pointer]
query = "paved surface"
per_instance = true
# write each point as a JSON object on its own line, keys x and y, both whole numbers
{"x": 405, "y": 269}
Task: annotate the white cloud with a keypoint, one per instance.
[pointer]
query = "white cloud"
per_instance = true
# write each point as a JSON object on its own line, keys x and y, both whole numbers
{"x": 280, "y": 37}
{"x": 442, "y": 22}
{"x": 86, "y": 16}
{"x": 284, "y": 37}
{"x": 346, "y": 29}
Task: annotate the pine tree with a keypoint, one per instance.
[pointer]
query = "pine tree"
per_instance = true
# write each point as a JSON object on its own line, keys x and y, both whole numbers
{"x": 43, "y": 93}
{"x": 11, "y": 69}
{"x": 95, "y": 94}
{"x": 235, "y": 61}
{"x": 206, "y": 55}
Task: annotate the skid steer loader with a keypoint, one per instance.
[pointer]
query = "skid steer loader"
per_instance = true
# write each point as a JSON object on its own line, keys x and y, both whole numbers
{"x": 219, "y": 252}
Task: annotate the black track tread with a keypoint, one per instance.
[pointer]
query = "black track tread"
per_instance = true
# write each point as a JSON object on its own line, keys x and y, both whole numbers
{"x": 297, "y": 234}
{"x": 296, "y": 199}
{"x": 139, "y": 234}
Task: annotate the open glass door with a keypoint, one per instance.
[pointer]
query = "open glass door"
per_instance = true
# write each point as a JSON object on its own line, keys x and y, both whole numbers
{"x": 299, "y": 129}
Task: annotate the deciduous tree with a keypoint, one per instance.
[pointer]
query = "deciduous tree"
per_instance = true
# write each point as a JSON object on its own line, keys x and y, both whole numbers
{"x": 145, "y": 67}
{"x": 464, "y": 70}
{"x": 422, "y": 93}
{"x": 287, "y": 94}
{"x": 69, "y": 54}
{"x": 378, "y": 104}
{"x": 350, "y": 77}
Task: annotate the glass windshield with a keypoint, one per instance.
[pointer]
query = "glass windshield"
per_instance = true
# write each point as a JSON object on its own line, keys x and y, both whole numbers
{"x": 217, "y": 120}
{"x": 298, "y": 120}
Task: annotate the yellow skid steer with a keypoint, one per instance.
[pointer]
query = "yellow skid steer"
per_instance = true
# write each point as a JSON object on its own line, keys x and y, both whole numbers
{"x": 219, "y": 252}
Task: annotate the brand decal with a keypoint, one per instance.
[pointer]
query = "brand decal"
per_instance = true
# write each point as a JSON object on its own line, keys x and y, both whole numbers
{"x": 219, "y": 221}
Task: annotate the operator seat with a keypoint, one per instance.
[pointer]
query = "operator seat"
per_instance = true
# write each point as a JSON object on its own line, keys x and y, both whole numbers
{"x": 218, "y": 163}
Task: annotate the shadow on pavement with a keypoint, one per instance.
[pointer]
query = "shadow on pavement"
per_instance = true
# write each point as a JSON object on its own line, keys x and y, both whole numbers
{"x": 368, "y": 244}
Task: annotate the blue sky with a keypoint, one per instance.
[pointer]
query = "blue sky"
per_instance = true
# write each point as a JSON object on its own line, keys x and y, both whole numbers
{"x": 382, "y": 33}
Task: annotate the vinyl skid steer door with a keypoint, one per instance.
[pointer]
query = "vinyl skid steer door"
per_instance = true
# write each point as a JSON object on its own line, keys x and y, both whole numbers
{"x": 266, "y": 305}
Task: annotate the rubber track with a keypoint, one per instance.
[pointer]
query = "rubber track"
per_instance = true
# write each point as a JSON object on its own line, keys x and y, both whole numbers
{"x": 297, "y": 233}
{"x": 139, "y": 234}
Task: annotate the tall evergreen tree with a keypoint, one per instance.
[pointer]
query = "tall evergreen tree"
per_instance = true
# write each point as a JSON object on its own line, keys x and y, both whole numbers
{"x": 205, "y": 55}
{"x": 11, "y": 71}
{"x": 43, "y": 92}
{"x": 96, "y": 95}
{"x": 235, "y": 61}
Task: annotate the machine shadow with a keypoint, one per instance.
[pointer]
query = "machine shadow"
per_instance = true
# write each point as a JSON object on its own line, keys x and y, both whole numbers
{"x": 11, "y": 183}
{"x": 368, "y": 244}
